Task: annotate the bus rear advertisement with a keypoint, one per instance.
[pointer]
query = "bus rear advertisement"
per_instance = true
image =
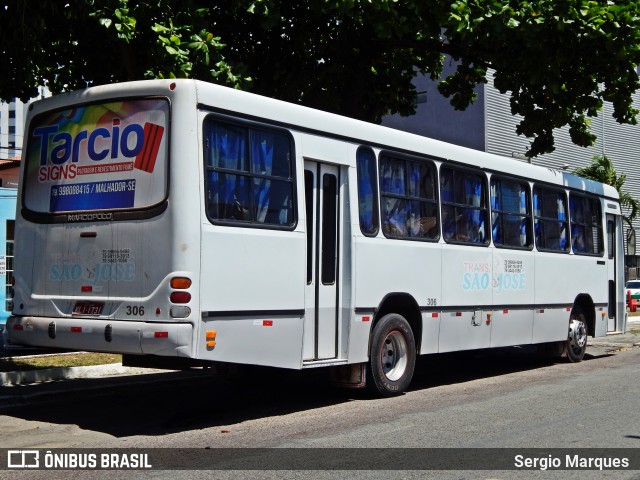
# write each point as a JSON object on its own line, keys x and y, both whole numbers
{"x": 183, "y": 223}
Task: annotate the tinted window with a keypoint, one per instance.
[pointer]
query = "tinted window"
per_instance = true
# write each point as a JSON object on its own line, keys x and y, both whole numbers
{"x": 464, "y": 207}
{"x": 551, "y": 224}
{"x": 510, "y": 213}
{"x": 408, "y": 198}
{"x": 367, "y": 191}
{"x": 249, "y": 175}
{"x": 586, "y": 225}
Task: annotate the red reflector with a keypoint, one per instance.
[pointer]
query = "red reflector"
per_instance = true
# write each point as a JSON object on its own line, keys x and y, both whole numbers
{"x": 366, "y": 319}
{"x": 76, "y": 329}
{"x": 458, "y": 314}
{"x": 18, "y": 327}
{"x": 180, "y": 297}
{"x": 434, "y": 315}
{"x": 267, "y": 323}
{"x": 161, "y": 334}
{"x": 569, "y": 309}
{"x": 86, "y": 288}
{"x": 540, "y": 311}
{"x": 505, "y": 311}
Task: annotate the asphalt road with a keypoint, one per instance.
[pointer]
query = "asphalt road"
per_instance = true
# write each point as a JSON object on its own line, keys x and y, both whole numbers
{"x": 496, "y": 400}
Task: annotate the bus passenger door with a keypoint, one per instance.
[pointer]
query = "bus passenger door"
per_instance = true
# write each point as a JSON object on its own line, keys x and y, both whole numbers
{"x": 613, "y": 322}
{"x": 322, "y": 216}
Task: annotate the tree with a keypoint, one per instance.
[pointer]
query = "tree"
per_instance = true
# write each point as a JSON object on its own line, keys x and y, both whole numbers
{"x": 602, "y": 170}
{"x": 558, "y": 60}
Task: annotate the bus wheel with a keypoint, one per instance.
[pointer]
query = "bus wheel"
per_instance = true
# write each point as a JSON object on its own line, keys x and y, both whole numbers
{"x": 577, "y": 341}
{"x": 393, "y": 356}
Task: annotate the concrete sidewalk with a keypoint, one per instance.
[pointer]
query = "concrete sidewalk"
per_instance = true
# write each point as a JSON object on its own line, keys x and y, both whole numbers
{"x": 28, "y": 377}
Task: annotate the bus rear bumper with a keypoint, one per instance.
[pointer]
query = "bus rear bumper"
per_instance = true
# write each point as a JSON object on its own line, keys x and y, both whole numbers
{"x": 115, "y": 336}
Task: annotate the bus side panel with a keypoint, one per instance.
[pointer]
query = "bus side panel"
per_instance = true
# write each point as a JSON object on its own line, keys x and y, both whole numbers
{"x": 513, "y": 296}
{"x": 386, "y": 266}
{"x": 551, "y": 324}
{"x": 567, "y": 277}
{"x": 467, "y": 294}
{"x": 269, "y": 340}
{"x": 266, "y": 298}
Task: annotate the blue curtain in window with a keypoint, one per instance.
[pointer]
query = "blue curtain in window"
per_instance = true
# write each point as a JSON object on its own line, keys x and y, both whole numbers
{"x": 366, "y": 167}
{"x": 262, "y": 148}
{"x": 228, "y": 150}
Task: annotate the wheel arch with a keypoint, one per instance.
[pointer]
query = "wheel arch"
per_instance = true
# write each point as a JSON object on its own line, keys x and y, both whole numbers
{"x": 403, "y": 304}
{"x": 584, "y": 303}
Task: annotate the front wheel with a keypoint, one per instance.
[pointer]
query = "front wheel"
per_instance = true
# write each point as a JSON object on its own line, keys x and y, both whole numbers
{"x": 393, "y": 356}
{"x": 576, "y": 344}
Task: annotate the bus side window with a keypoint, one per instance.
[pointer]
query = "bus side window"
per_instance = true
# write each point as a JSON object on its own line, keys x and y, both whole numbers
{"x": 511, "y": 215}
{"x": 408, "y": 198}
{"x": 464, "y": 206}
{"x": 249, "y": 175}
{"x": 367, "y": 191}
{"x": 550, "y": 219}
{"x": 586, "y": 225}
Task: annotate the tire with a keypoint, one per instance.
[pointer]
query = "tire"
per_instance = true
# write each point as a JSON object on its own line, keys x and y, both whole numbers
{"x": 392, "y": 358}
{"x": 576, "y": 344}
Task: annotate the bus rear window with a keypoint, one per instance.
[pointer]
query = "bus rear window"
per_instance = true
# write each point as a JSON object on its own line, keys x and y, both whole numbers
{"x": 108, "y": 156}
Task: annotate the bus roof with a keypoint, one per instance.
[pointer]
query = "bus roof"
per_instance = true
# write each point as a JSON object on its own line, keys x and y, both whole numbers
{"x": 297, "y": 117}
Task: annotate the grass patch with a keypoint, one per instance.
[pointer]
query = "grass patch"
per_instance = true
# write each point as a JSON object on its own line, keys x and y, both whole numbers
{"x": 13, "y": 364}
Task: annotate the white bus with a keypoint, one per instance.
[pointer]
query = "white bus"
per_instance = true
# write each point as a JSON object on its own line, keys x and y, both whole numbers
{"x": 180, "y": 222}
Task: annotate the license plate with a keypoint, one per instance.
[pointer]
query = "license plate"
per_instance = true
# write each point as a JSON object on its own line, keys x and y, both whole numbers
{"x": 87, "y": 308}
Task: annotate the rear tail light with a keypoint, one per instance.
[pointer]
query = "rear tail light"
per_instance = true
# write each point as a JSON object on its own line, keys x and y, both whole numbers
{"x": 179, "y": 311}
{"x": 180, "y": 297}
{"x": 181, "y": 283}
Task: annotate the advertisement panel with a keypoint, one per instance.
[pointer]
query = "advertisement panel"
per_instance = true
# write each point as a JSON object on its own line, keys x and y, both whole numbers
{"x": 108, "y": 156}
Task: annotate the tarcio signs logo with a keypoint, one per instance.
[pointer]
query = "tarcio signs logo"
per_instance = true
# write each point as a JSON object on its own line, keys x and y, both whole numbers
{"x": 98, "y": 157}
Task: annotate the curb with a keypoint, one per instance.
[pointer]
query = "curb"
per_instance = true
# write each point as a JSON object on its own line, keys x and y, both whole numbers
{"x": 69, "y": 373}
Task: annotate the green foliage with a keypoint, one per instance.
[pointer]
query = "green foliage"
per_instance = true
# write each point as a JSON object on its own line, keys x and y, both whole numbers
{"x": 558, "y": 60}
{"x": 602, "y": 170}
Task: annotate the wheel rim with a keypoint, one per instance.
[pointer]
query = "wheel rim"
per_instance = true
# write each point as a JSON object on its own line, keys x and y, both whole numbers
{"x": 577, "y": 335}
{"x": 394, "y": 355}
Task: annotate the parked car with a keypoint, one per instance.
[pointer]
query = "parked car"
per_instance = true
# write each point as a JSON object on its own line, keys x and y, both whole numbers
{"x": 632, "y": 287}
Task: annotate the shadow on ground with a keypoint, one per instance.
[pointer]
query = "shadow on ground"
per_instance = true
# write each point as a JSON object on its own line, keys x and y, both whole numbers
{"x": 182, "y": 401}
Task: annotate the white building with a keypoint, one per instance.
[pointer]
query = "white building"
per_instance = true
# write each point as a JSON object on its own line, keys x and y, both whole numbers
{"x": 12, "y": 118}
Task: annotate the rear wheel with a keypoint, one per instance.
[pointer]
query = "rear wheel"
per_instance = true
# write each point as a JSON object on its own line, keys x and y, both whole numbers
{"x": 393, "y": 356}
{"x": 576, "y": 344}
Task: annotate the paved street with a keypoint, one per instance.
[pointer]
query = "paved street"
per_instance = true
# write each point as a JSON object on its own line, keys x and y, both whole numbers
{"x": 502, "y": 399}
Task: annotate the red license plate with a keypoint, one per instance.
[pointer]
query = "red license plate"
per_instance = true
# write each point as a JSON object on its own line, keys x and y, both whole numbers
{"x": 88, "y": 308}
